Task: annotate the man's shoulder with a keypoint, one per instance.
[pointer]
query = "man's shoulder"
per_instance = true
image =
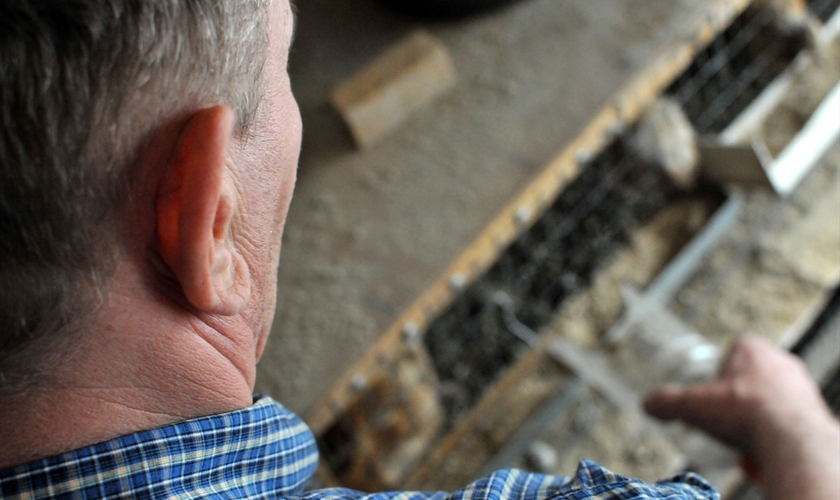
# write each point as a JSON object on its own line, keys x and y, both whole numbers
{"x": 263, "y": 451}
{"x": 594, "y": 481}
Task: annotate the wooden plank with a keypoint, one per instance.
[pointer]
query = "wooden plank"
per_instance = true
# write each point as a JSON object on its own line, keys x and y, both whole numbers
{"x": 734, "y": 164}
{"x": 410, "y": 75}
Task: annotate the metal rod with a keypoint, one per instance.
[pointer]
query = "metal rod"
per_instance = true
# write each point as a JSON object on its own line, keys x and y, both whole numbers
{"x": 536, "y": 423}
{"x": 686, "y": 263}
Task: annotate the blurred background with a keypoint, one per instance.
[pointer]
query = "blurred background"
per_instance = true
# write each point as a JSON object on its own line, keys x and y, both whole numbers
{"x": 513, "y": 218}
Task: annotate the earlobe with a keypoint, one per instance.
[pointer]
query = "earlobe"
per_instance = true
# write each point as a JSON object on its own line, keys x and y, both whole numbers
{"x": 195, "y": 207}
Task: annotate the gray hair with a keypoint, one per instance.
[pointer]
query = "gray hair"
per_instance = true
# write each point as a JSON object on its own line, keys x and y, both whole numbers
{"x": 83, "y": 83}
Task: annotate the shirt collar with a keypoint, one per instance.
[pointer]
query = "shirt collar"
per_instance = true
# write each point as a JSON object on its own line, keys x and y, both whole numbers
{"x": 245, "y": 453}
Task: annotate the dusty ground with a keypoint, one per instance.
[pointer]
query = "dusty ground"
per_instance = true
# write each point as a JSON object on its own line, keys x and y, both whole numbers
{"x": 368, "y": 231}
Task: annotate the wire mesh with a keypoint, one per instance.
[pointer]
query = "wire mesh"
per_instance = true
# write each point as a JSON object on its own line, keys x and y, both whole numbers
{"x": 734, "y": 69}
{"x": 471, "y": 344}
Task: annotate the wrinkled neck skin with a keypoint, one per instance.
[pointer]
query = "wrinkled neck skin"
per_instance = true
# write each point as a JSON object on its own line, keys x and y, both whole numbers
{"x": 151, "y": 363}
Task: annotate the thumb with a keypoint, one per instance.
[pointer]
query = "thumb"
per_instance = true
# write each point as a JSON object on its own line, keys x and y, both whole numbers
{"x": 708, "y": 406}
{"x": 675, "y": 402}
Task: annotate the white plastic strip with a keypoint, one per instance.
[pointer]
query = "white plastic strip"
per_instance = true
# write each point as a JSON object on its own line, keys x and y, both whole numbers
{"x": 809, "y": 145}
{"x": 831, "y": 28}
{"x": 749, "y": 121}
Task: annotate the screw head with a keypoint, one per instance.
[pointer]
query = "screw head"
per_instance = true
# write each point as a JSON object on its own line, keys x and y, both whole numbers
{"x": 616, "y": 128}
{"x": 358, "y": 383}
{"x": 458, "y": 282}
{"x": 411, "y": 332}
{"x": 583, "y": 157}
{"x": 523, "y": 215}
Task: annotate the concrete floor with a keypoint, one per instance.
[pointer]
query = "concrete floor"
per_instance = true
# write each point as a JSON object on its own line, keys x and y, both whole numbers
{"x": 369, "y": 231}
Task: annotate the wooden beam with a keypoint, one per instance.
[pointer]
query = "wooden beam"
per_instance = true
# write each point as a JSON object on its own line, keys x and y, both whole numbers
{"x": 403, "y": 80}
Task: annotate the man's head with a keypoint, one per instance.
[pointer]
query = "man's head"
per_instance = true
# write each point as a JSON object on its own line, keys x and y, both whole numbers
{"x": 110, "y": 108}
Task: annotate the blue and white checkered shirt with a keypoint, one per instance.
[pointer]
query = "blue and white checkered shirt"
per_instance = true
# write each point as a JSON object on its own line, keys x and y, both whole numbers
{"x": 265, "y": 451}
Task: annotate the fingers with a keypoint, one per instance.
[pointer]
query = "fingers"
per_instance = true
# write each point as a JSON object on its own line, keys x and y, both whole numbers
{"x": 761, "y": 390}
{"x": 687, "y": 403}
{"x": 674, "y": 402}
{"x": 708, "y": 407}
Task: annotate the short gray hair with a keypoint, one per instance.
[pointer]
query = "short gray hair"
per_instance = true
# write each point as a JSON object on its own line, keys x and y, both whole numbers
{"x": 83, "y": 83}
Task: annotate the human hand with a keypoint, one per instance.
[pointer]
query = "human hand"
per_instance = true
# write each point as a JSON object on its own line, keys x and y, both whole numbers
{"x": 765, "y": 404}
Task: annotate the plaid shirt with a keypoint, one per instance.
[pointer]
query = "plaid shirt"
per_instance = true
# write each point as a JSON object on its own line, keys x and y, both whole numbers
{"x": 265, "y": 451}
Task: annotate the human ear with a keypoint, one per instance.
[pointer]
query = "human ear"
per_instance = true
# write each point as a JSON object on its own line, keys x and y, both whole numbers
{"x": 195, "y": 205}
